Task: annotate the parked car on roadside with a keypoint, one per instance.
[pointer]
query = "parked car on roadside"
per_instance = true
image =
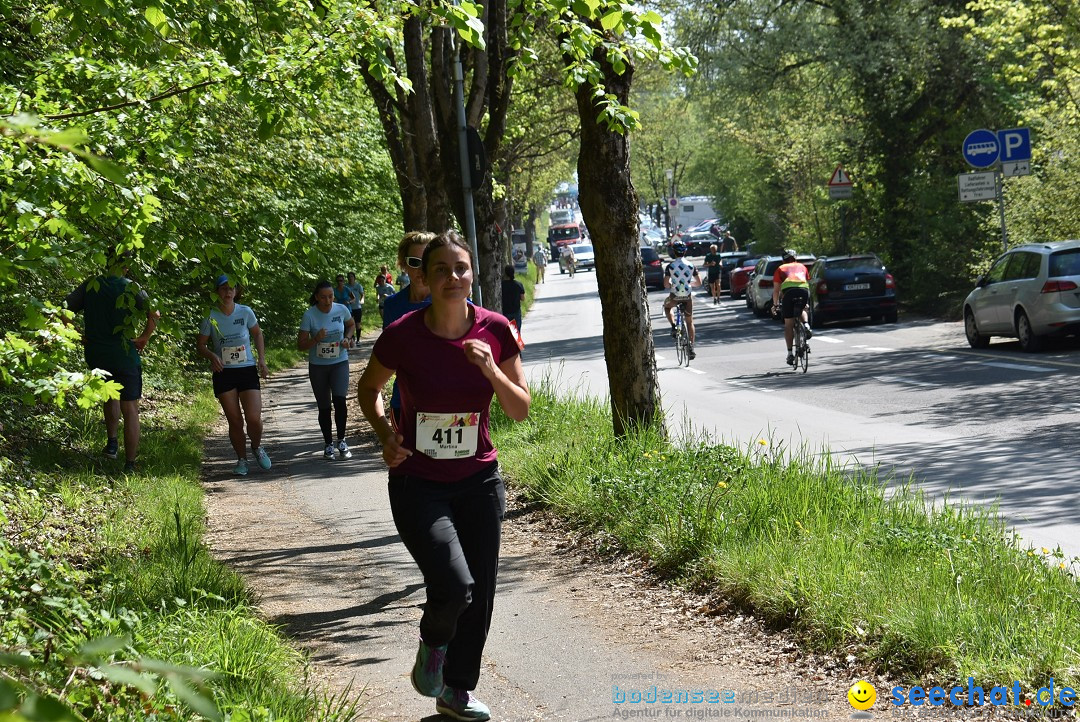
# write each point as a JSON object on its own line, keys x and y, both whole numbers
{"x": 652, "y": 267}
{"x": 729, "y": 260}
{"x": 759, "y": 292}
{"x": 851, "y": 286}
{"x": 1030, "y": 293}
{"x": 697, "y": 242}
{"x": 740, "y": 277}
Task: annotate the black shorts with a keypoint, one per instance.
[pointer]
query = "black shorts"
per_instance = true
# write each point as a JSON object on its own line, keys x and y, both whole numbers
{"x": 245, "y": 378}
{"x": 357, "y": 317}
{"x": 714, "y": 274}
{"x": 793, "y": 300}
{"x": 129, "y": 379}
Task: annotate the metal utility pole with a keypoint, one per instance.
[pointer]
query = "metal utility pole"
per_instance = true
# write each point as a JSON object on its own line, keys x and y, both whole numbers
{"x": 466, "y": 174}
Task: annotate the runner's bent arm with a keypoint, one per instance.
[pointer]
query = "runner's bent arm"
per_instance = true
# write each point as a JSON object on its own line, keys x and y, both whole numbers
{"x": 507, "y": 378}
{"x": 369, "y": 394}
{"x": 216, "y": 363}
{"x": 260, "y": 345}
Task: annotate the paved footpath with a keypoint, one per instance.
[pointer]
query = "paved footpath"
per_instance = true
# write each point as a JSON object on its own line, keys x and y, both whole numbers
{"x": 314, "y": 538}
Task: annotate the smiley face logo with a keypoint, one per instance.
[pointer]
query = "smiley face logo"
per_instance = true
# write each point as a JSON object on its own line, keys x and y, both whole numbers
{"x": 862, "y": 695}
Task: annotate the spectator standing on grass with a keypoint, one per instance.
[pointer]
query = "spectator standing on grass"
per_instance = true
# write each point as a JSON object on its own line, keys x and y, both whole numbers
{"x": 108, "y": 346}
{"x": 540, "y": 260}
{"x": 513, "y": 295}
{"x": 356, "y": 307}
{"x": 234, "y": 329}
{"x": 326, "y": 333}
{"x": 446, "y": 493}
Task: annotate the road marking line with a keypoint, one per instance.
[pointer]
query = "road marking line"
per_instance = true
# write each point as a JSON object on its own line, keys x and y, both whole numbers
{"x": 829, "y": 339}
{"x": 879, "y": 349}
{"x": 904, "y": 380}
{"x": 695, "y": 371}
{"x": 660, "y": 358}
{"x": 1017, "y": 367}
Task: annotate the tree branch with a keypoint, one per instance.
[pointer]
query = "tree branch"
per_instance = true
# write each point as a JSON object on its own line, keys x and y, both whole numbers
{"x": 128, "y": 104}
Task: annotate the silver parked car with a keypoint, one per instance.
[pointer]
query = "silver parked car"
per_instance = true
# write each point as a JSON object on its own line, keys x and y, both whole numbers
{"x": 1031, "y": 292}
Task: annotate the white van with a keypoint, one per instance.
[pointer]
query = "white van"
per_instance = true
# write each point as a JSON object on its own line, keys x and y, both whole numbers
{"x": 560, "y": 216}
{"x": 692, "y": 210}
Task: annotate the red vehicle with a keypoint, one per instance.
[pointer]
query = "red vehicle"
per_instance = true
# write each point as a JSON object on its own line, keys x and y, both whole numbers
{"x": 739, "y": 277}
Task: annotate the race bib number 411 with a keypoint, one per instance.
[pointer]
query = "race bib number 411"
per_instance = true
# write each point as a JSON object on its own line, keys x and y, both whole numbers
{"x": 447, "y": 436}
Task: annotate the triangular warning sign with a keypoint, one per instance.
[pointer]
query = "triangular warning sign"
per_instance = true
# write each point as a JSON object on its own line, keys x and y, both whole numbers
{"x": 840, "y": 177}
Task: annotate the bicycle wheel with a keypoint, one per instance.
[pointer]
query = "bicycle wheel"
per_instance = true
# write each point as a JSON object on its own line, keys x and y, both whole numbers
{"x": 679, "y": 352}
{"x": 804, "y": 361}
{"x": 684, "y": 341}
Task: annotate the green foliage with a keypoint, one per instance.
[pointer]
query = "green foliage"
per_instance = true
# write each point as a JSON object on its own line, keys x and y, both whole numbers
{"x": 111, "y": 606}
{"x": 148, "y": 128}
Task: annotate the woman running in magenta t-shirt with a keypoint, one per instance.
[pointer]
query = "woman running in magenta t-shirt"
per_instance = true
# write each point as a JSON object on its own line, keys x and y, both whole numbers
{"x": 446, "y": 494}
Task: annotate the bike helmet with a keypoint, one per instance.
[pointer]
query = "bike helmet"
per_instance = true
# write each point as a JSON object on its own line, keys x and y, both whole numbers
{"x": 789, "y": 254}
{"x": 678, "y": 248}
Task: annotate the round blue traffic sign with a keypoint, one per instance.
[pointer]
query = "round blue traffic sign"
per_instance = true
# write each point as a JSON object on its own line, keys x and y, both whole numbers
{"x": 981, "y": 148}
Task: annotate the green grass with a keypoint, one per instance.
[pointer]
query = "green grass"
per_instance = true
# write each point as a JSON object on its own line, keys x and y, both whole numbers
{"x": 87, "y": 554}
{"x": 809, "y": 546}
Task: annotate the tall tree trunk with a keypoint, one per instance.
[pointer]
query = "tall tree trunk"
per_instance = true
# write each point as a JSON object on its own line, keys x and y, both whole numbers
{"x": 609, "y": 205}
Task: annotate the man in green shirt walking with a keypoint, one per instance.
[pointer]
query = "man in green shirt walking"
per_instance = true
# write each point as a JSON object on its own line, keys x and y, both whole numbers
{"x": 107, "y": 302}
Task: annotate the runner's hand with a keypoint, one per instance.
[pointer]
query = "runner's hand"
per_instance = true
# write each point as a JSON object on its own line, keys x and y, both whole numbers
{"x": 477, "y": 352}
{"x": 319, "y": 335}
{"x": 263, "y": 370}
{"x": 216, "y": 364}
{"x": 393, "y": 453}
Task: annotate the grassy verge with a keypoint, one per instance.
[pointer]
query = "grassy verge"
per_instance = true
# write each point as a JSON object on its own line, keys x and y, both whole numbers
{"x": 110, "y": 604}
{"x": 809, "y": 546}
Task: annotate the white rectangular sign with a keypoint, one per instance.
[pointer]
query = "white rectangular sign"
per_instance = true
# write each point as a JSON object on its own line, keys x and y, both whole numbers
{"x": 977, "y": 186}
{"x": 1016, "y": 167}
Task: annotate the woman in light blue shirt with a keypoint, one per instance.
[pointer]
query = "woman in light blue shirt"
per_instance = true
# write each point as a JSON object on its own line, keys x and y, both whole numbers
{"x": 233, "y": 329}
{"x": 326, "y": 333}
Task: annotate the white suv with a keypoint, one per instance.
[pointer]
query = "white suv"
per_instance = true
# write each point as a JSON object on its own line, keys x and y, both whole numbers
{"x": 1031, "y": 292}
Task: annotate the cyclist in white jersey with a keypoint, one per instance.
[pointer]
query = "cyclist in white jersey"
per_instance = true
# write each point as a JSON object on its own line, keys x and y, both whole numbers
{"x": 680, "y": 276}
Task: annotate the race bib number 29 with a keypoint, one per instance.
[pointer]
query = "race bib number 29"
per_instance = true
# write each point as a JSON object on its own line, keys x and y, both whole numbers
{"x": 447, "y": 436}
{"x": 234, "y": 355}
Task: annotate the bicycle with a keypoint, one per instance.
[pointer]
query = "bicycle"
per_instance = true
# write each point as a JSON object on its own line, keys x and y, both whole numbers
{"x": 682, "y": 336}
{"x": 800, "y": 349}
{"x": 801, "y": 346}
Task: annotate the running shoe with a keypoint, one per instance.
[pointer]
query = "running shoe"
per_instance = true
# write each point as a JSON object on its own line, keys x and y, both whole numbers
{"x": 329, "y": 453}
{"x": 263, "y": 458}
{"x": 112, "y": 447}
{"x": 129, "y": 467}
{"x": 241, "y": 467}
{"x": 343, "y": 450}
{"x": 461, "y": 705}
{"x": 426, "y": 674}
{"x": 790, "y": 359}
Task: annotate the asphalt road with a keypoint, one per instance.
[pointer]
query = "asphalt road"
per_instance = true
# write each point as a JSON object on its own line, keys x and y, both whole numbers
{"x": 911, "y": 398}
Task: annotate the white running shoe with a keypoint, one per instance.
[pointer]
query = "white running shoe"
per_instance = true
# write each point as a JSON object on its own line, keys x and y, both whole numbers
{"x": 343, "y": 450}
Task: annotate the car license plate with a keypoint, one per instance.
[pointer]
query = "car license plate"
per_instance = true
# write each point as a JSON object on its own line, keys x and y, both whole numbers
{"x": 857, "y": 287}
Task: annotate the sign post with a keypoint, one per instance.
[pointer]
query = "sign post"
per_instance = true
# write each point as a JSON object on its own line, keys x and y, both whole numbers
{"x": 1009, "y": 152}
{"x": 839, "y": 189}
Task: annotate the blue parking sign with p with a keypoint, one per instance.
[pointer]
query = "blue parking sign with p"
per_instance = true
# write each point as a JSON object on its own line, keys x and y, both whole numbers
{"x": 981, "y": 148}
{"x": 1014, "y": 144}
